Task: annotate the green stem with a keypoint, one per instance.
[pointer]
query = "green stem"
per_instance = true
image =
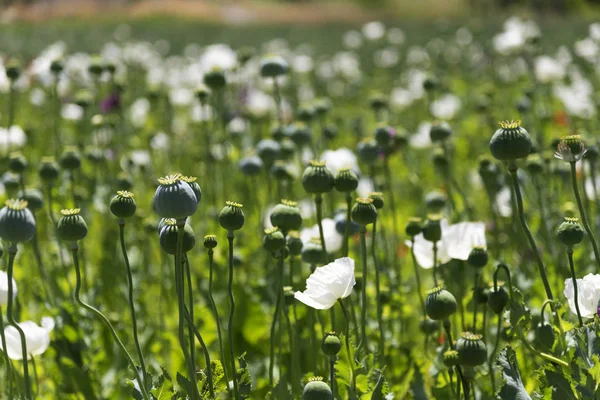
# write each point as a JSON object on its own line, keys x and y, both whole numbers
{"x": 417, "y": 275}
{"x": 332, "y": 374}
{"x": 496, "y": 344}
{"x": 319, "y": 206}
{"x": 236, "y": 390}
{"x": 348, "y": 223}
{"x": 475, "y": 286}
{"x": 76, "y": 294}
{"x": 277, "y": 95}
{"x": 378, "y": 292}
{"x": 190, "y": 307}
{"x": 347, "y": 342}
{"x": 43, "y": 274}
{"x": 363, "y": 311}
{"x": 575, "y": 288}
{"x": 584, "y": 219}
{"x": 217, "y": 318}
{"x": 435, "y": 256}
{"x": 12, "y": 253}
{"x": 130, "y": 296}
{"x": 279, "y": 288}
{"x": 9, "y": 381}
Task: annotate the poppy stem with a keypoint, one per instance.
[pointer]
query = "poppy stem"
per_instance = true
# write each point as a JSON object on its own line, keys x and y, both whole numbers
{"x": 319, "y": 206}
{"x": 417, "y": 275}
{"x": 363, "y": 311}
{"x": 347, "y": 342}
{"x": 584, "y": 219}
{"x": 348, "y": 221}
{"x": 379, "y": 302}
{"x": 230, "y": 236}
{"x": 276, "y": 319}
{"x": 9, "y": 381}
{"x": 575, "y": 288}
{"x": 12, "y": 253}
{"x": 435, "y": 257}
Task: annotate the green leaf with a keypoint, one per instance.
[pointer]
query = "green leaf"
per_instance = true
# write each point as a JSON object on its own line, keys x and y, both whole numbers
{"x": 164, "y": 391}
{"x": 185, "y": 384}
{"x": 244, "y": 378}
{"x": 378, "y": 390}
{"x": 513, "y": 388}
{"x": 561, "y": 387}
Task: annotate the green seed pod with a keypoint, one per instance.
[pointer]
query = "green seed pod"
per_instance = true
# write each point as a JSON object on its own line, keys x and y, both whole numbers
{"x": 414, "y": 226}
{"x": 273, "y": 66}
{"x": 432, "y": 229}
{"x": 330, "y": 132}
{"x": 471, "y": 350}
{"x": 96, "y": 66}
{"x": 191, "y": 180}
{"x": 440, "y": 131}
{"x": 13, "y": 70}
{"x": 480, "y": 295}
{"x": 331, "y": 344}
{"x": 94, "y": 154}
{"x": 592, "y": 154}
{"x": 510, "y": 142}
{"x": 210, "y": 241}
{"x": 439, "y": 159}
{"x": 11, "y": 182}
{"x": 535, "y": 164}
{"x": 378, "y": 101}
{"x": 274, "y": 240}
{"x": 49, "y": 170}
{"x": 124, "y": 181}
{"x": 306, "y": 113}
{"x": 288, "y": 296}
{"x": 570, "y": 232}
{"x": 571, "y": 148}
{"x": 123, "y": 204}
{"x": 111, "y": 68}
{"x": 202, "y": 93}
{"x": 451, "y": 358}
{"x": 317, "y": 178}
{"x": 268, "y": 150}
{"x": 497, "y": 299}
{"x": 71, "y": 227}
{"x": 312, "y": 252}
{"x": 251, "y": 166}
{"x": 346, "y": 181}
{"x": 168, "y": 237}
{"x": 17, "y": 163}
{"x": 286, "y": 216}
{"x": 440, "y": 304}
{"x": 322, "y": 106}
{"x": 368, "y": 151}
{"x": 428, "y": 326}
{"x": 300, "y": 134}
{"x": 84, "y": 98}
{"x": 288, "y": 149}
{"x": 34, "y": 199}
{"x": 364, "y": 212}
{"x": 430, "y": 84}
{"x": 294, "y": 243}
{"x": 316, "y": 389}
{"x": 215, "y": 79}
{"x": 435, "y": 201}
{"x": 17, "y": 223}
{"x": 231, "y": 216}
{"x": 174, "y": 198}
{"x": 70, "y": 159}
{"x": 281, "y": 171}
{"x": 377, "y": 198}
{"x": 383, "y": 136}
{"x": 278, "y": 132}
{"x": 544, "y": 335}
{"x": 478, "y": 257}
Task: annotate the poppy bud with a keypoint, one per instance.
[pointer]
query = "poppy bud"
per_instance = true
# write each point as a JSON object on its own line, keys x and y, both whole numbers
{"x": 191, "y": 180}
{"x": 251, "y": 166}
{"x": 294, "y": 243}
{"x": 535, "y": 164}
{"x": 317, "y": 178}
{"x": 346, "y": 181}
{"x": 11, "y": 182}
{"x": 300, "y": 134}
{"x": 202, "y": 93}
{"x": 478, "y": 257}
{"x": 510, "y": 142}
{"x": 497, "y": 299}
{"x": 440, "y": 304}
{"x": 268, "y": 150}
{"x": 378, "y": 101}
{"x": 168, "y": 237}
{"x": 210, "y": 241}
{"x": 428, "y": 326}
{"x": 96, "y": 66}
{"x": 123, "y": 204}
{"x": 306, "y": 113}
{"x": 331, "y": 344}
{"x": 49, "y": 170}
{"x": 316, "y": 389}
{"x": 286, "y": 216}
{"x": 544, "y": 335}
{"x": 13, "y": 70}
{"x": 215, "y": 79}
{"x": 273, "y": 240}
{"x": 17, "y": 223}
{"x": 231, "y": 216}
{"x": 174, "y": 198}
{"x": 383, "y": 136}
{"x": 364, "y": 212}
{"x": 312, "y": 252}
{"x": 377, "y": 198}
{"x": 471, "y": 349}
{"x": 71, "y": 227}
{"x": 17, "y": 163}
{"x": 414, "y": 226}
{"x": 273, "y": 66}
{"x": 432, "y": 230}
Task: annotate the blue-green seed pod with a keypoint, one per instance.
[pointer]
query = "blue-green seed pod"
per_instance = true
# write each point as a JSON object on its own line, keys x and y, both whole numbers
{"x": 345, "y": 181}
{"x": 377, "y": 198}
{"x": 231, "y": 216}
{"x": 34, "y": 199}
{"x": 440, "y": 131}
{"x": 497, "y": 299}
{"x": 435, "y": 201}
{"x": 70, "y": 159}
{"x": 440, "y": 304}
{"x": 570, "y": 232}
{"x": 331, "y": 345}
{"x": 215, "y": 79}
{"x": 432, "y": 230}
{"x": 471, "y": 350}
{"x": 168, "y": 237}
{"x": 268, "y": 150}
{"x": 191, "y": 180}
{"x": 49, "y": 170}
{"x": 274, "y": 240}
{"x": 174, "y": 198}
{"x": 251, "y": 166}
{"x": 17, "y": 223}
{"x": 13, "y": 70}
{"x": 414, "y": 226}
{"x": 123, "y": 204}
{"x": 510, "y": 142}
{"x": 300, "y": 134}
{"x": 294, "y": 243}
{"x": 17, "y": 163}
{"x": 312, "y": 252}
{"x": 210, "y": 241}
{"x": 478, "y": 257}
{"x": 368, "y": 151}
{"x": 364, "y": 212}
{"x": 71, "y": 227}
{"x": 316, "y": 389}
{"x": 317, "y": 178}
{"x": 286, "y": 216}
{"x": 273, "y": 66}
{"x": 383, "y": 136}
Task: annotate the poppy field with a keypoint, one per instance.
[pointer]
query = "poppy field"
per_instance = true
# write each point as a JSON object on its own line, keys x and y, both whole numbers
{"x": 367, "y": 212}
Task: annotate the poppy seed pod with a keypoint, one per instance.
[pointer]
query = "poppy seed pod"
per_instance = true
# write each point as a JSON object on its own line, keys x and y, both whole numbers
{"x": 300, "y": 134}
{"x": 124, "y": 181}
{"x": 432, "y": 229}
{"x": 231, "y": 216}
{"x": 316, "y": 389}
{"x": 414, "y": 226}
{"x": 428, "y": 326}
{"x": 510, "y": 142}
{"x": 274, "y": 240}
{"x": 383, "y": 136}
{"x": 96, "y": 66}
{"x": 49, "y": 170}
{"x": 84, "y": 98}
{"x": 202, "y": 93}
{"x": 273, "y": 66}
{"x": 11, "y": 182}
{"x": 294, "y": 243}
{"x": 305, "y": 113}
{"x": 345, "y": 181}
{"x": 268, "y": 150}
{"x": 440, "y": 131}
{"x": 331, "y": 344}
{"x": 13, "y": 70}
{"x": 368, "y": 151}
{"x": 250, "y": 166}
{"x": 534, "y": 164}
{"x": 312, "y": 252}
{"x": 70, "y": 159}
{"x": 168, "y": 237}
{"x": 497, "y": 299}
{"x": 544, "y": 335}
{"x": 191, "y": 180}
{"x": 435, "y": 201}
{"x": 17, "y": 163}
{"x": 571, "y": 148}
{"x": 215, "y": 79}
{"x": 570, "y": 232}
{"x": 34, "y": 199}
{"x": 478, "y": 257}
{"x": 71, "y": 227}
{"x": 123, "y": 204}
{"x": 430, "y": 83}
{"x": 471, "y": 349}
{"x": 439, "y": 159}
{"x": 378, "y": 101}
{"x": 317, "y": 178}
{"x": 286, "y": 216}
{"x": 210, "y": 241}
{"x": 322, "y": 106}
{"x": 329, "y": 131}
{"x": 281, "y": 171}
{"x": 451, "y": 358}
{"x": 288, "y": 148}
{"x": 592, "y": 154}
{"x": 17, "y": 223}
{"x": 174, "y": 198}
{"x": 440, "y": 304}
{"x": 377, "y": 198}
{"x": 364, "y": 212}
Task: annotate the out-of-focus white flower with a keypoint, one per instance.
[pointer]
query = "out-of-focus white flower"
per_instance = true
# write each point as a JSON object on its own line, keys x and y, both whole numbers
{"x": 457, "y": 242}
{"x": 373, "y": 30}
{"x": 218, "y": 56}
{"x": 577, "y": 97}
{"x": 4, "y": 288}
{"x": 138, "y": 112}
{"x": 365, "y": 186}
{"x": 421, "y": 139}
{"x": 401, "y": 98}
{"x": 333, "y": 240}
{"x": 236, "y": 126}
{"x": 181, "y": 96}
{"x": 396, "y": 36}
{"x": 37, "y": 97}
{"x": 11, "y": 138}
{"x": 141, "y": 158}
{"x": 259, "y": 103}
{"x": 71, "y": 112}
{"x": 340, "y": 158}
{"x": 586, "y": 49}
{"x": 308, "y": 209}
{"x": 303, "y": 64}
{"x": 352, "y": 39}
{"x": 588, "y": 294}
{"x": 37, "y": 338}
{"x": 160, "y": 141}
{"x": 504, "y": 202}
{"x": 464, "y": 37}
{"x": 445, "y": 107}
{"x": 387, "y": 57}
{"x": 595, "y": 30}
{"x": 547, "y": 69}
{"x": 328, "y": 284}
{"x": 515, "y": 35}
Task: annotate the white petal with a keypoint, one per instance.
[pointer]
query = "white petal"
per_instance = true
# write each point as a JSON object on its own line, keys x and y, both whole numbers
{"x": 459, "y": 239}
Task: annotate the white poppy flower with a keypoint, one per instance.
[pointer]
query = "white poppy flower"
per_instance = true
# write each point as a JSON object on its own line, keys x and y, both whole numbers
{"x": 340, "y": 158}
{"x": 37, "y": 338}
{"x": 457, "y": 242}
{"x": 4, "y": 288}
{"x": 365, "y": 186}
{"x": 333, "y": 240}
{"x": 328, "y": 284}
{"x": 13, "y": 137}
{"x": 71, "y": 112}
{"x": 548, "y": 69}
{"x": 588, "y": 294}
{"x": 445, "y": 107}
